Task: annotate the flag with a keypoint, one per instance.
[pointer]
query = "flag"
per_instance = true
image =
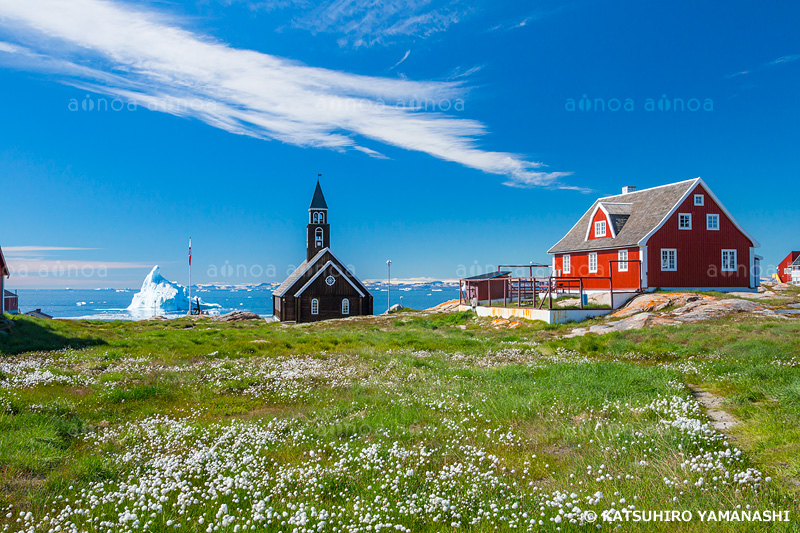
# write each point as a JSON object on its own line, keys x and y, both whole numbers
{"x": 190, "y": 251}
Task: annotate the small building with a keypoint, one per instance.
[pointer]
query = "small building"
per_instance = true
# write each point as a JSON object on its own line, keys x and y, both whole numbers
{"x": 37, "y": 313}
{"x": 322, "y": 287}
{"x": 672, "y": 236}
{"x": 786, "y": 267}
{"x": 9, "y": 302}
{"x": 479, "y": 288}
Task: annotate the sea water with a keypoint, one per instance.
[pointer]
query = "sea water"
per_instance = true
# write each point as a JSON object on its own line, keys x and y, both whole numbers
{"x": 111, "y": 304}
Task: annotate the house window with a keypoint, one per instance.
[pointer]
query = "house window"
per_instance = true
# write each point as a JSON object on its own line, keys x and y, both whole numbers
{"x": 712, "y": 222}
{"x": 685, "y": 221}
{"x": 345, "y": 306}
{"x": 566, "y": 264}
{"x": 592, "y": 262}
{"x": 669, "y": 259}
{"x": 699, "y": 199}
{"x": 729, "y": 260}
{"x": 622, "y": 256}
{"x": 600, "y": 228}
{"x": 314, "y": 306}
{"x": 318, "y": 237}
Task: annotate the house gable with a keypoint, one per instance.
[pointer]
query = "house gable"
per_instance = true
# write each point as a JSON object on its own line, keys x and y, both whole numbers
{"x": 3, "y": 265}
{"x": 696, "y": 252}
{"x": 711, "y": 205}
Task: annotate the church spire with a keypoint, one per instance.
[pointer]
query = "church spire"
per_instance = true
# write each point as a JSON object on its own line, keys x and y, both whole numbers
{"x": 318, "y": 234}
{"x": 318, "y": 200}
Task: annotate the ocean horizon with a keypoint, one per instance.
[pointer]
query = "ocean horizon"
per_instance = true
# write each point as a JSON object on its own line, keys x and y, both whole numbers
{"x": 111, "y": 304}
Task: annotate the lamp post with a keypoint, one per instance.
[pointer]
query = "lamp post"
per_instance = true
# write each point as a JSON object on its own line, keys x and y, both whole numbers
{"x": 388, "y": 286}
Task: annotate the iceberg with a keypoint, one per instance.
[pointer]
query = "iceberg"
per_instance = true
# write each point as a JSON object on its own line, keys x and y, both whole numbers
{"x": 158, "y": 293}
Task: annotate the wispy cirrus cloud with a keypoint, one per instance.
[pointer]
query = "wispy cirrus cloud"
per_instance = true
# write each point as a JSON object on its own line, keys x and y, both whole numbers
{"x": 370, "y": 22}
{"x": 774, "y": 63}
{"x": 145, "y": 57}
{"x": 16, "y": 250}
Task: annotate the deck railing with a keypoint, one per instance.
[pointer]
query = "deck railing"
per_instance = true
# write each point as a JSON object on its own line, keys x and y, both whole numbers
{"x": 538, "y": 292}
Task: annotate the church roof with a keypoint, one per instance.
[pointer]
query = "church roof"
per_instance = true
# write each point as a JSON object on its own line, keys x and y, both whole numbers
{"x": 306, "y": 266}
{"x": 318, "y": 201}
{"x": 297, "y": 274}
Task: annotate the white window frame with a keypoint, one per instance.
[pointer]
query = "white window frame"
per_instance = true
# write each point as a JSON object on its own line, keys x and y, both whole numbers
{"x": 319, "y": 237}
{"x": 735, "y": 260}
{"x": 566, "y": 263}
{"x": 681, "y": 220}
{"x": 709, "y": 218}
{"x": 597, "y": 226}
{"x": 593, "y": 263}
{"x": 314, "y": 306}
{"x": 345, "y": 306}
{"x": 699, "y": 199}
{"x": 674, "y": 252}
{"x": 622, "y": 257}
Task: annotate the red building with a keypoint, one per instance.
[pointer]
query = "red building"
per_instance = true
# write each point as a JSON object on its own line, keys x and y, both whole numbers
{"x": 8, "y": 302}
{"x": 785, "y": 267}
{"x": 673, "y": 236}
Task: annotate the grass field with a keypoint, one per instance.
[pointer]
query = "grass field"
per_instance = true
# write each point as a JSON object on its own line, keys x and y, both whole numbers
{"x": 413, "y": 422}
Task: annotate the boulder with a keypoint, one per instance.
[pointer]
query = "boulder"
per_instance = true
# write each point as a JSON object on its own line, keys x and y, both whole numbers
{"x": 395, "y": 308}
{"x": 236, "y": 316}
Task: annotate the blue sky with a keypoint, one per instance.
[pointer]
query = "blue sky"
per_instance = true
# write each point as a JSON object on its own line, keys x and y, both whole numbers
{"x": 443, "y": 130}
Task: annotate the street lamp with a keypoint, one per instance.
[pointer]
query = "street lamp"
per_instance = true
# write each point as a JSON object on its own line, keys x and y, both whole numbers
{"x": 388, "y": 286}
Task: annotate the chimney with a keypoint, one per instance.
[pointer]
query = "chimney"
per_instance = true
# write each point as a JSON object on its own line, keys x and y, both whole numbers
{"x": 628, "y": 189}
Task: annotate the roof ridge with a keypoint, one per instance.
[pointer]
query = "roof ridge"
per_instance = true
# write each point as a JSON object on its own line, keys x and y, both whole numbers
{"x": 648, "y": 189}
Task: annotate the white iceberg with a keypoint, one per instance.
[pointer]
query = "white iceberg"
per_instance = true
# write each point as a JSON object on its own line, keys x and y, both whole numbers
{"x": 160, "y": 294}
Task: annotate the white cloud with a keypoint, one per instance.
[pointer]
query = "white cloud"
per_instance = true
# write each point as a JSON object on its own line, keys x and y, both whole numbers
{"x": 774, "y": 63}
{"x": 370, "y": 22}
{"x": 14, "y": 250}
{"x": 115, "y": 49}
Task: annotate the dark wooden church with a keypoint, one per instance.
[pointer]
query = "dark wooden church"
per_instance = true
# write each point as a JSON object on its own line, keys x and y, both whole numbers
{"x": 322, "y": 287}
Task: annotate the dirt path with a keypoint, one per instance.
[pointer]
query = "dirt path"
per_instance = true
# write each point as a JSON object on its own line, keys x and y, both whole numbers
{"x": 720, "y": 420}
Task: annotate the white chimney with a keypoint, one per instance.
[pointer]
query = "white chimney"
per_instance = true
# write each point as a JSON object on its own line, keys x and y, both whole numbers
{"x": 627, "y": 189}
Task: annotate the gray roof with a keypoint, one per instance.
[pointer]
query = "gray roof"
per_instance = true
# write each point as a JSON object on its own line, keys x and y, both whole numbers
{"x": 488, "y": 275}
{"x": 318, "y": 200}
{"x": 633, "y": 215}
{"x": 297, "y": 274}
{"x": 796, "y": 262}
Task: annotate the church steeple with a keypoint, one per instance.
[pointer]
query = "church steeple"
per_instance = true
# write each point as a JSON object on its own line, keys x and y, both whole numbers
{"x": 318, "y": 234}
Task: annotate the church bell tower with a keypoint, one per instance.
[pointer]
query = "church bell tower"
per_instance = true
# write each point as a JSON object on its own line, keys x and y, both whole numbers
{"x": 318, "y": 231}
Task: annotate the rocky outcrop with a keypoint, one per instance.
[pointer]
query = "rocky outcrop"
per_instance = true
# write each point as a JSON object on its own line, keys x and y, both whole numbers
{"x": 643, "y": 311}
{"x": 657, "y": 302}
{"x": 445, "y": 307}
{"x": 236, "y": 316}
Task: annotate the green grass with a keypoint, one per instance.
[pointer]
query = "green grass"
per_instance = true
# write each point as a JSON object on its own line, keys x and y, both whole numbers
{"x": 547, "y": 407}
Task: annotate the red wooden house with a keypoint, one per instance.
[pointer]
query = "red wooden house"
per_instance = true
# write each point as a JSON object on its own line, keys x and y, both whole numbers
{"x": 8, "y": 302}
{"x": 673, "y": 236}
{"x": 785, "y": 267}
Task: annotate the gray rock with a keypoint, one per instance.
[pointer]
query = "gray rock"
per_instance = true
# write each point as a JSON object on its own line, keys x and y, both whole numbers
{"x": 236, "y": 316}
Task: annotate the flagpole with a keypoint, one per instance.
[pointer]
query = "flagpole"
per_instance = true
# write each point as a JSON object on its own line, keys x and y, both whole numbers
{"x": 190, "y": 275}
